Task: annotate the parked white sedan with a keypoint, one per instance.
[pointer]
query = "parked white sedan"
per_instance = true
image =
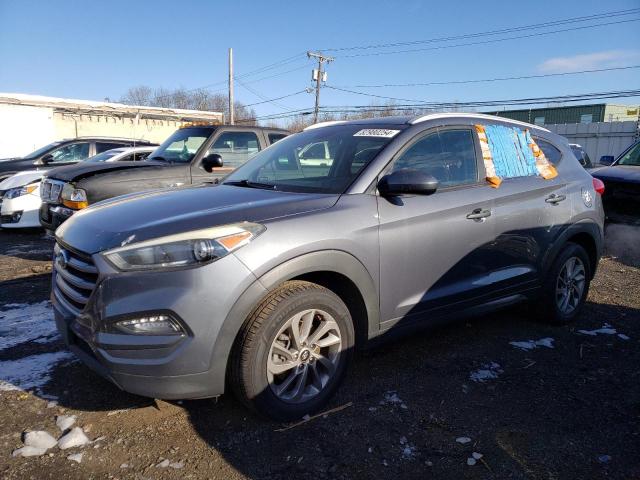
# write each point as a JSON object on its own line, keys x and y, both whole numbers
{"x": 20, "y": 194}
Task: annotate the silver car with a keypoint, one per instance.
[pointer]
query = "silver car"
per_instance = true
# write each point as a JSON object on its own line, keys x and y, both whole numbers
{"x": 268, "y": 281}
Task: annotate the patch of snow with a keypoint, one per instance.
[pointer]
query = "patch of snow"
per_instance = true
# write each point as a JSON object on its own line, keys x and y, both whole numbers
{"x": 177, "y": 465}
{"x": 39, "y": 439}
{"x": 32, "y": 372}
{"x": 65, "y": 422}
{"x": 463, "y": 440}
{"x": 27, "y": 322}
{"x": 28, "y": 452}
{"x": 76, "y": 457}
{"x": 477, "y": 455}
{"x": 606, "y": 329}
{"x": 604, "y": 458}
{"x": 532, "y": 344}
{"x": 75, "y": 438}
{"x": 163, "y": 464}
{"x": 489, "y": 371}
{"x": 471, "y": 461}
{"x": 623, "y": 336}
{"x": 124, "y": 465}
{"x": 52, "y": 404}
{"x": 391, "y": 398}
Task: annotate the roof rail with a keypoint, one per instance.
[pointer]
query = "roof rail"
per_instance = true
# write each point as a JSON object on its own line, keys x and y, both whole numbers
{"x": 324, "y": 124}
{"x": 435, "y": 116}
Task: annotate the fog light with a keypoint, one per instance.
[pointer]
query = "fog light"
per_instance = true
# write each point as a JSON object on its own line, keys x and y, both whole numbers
{"x": 151, "y": 325}
{"x": 15, "y": 218}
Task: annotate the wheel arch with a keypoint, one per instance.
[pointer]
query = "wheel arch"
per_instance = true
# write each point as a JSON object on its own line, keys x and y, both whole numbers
{"x": 336, "y": 270}
{"x": 587, "y": 234}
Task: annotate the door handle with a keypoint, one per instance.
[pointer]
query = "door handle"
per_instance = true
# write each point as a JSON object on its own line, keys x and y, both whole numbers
{"x": 555, "y": 199}
{"x": 479, "y": 214}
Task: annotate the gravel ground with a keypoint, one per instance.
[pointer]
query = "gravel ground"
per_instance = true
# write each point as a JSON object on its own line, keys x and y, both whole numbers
{"x": 567, "y": 406}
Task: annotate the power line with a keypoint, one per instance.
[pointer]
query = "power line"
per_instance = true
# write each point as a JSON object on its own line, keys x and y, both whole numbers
{"x": 484, "y": 103}
{"x": 484, "y": 80}
{"x": 484, "y": 42}
{"x": 259, "y": 95}
{"x": 493, "y": 32}
{"x": 271, "y": 100}
{"x": 449, "y": 105}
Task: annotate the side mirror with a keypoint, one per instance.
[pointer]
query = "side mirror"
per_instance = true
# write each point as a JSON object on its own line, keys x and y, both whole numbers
{"x": 48, "y": 158}
{"x": 407, "y": 181}
{"x": 606, "y": 159}
{"x": 211, "y": 161}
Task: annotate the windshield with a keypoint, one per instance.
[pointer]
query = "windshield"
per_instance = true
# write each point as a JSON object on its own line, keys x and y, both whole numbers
{"x": 632, "y": 157}
{"x": 104, "y": 156}
{"x": 42, "y": 150}
{"x": 182, "y": 145}
{"x": 326, "y": 160}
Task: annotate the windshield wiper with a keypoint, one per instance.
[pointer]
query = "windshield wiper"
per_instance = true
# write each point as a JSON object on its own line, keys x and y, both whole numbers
{"x": 250, "y": 184}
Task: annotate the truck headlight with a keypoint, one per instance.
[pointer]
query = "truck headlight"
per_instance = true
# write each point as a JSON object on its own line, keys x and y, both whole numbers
{"x": 73, "y": 197}
{"x": 184, "y": 249}
{"x": 20, "y": 191}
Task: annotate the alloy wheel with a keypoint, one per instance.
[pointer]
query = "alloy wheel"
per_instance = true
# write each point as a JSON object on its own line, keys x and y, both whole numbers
{"x": 570, "y": 285}
{"x": 303, "y": 356}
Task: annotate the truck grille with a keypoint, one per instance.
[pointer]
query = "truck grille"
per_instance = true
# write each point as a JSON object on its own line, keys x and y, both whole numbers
{"x": 74, "y": 278}
{"x": 50, "y": 190}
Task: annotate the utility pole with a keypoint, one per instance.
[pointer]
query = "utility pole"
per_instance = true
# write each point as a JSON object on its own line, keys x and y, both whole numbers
{"x": 231, "y": 112}
{"x": 319, "y": 76}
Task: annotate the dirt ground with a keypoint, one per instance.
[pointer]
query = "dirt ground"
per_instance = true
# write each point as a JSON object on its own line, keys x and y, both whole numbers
{"x": 563, "y": 408}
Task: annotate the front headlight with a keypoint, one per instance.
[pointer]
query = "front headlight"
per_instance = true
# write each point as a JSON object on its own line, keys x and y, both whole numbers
{"x": 184, "y": 249}
{"x": 73, "y": 197}
{"x": 20, "y": 191}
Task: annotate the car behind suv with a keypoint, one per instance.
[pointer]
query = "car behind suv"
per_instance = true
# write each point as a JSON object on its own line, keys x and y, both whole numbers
{"x": 269, "y": 280}
{"x": 65, "y": 152}
{"x": 192, "y": 155}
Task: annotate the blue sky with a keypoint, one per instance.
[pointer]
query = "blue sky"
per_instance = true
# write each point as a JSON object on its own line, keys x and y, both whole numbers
{"x": 93, "y": 50}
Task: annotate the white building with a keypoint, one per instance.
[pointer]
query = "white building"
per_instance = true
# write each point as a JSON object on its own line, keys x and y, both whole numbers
{"x": 28, "y": 122}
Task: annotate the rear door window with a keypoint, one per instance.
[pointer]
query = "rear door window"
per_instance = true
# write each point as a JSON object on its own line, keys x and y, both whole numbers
{"x": 104, "y": 146}
{"x": 274, "y": 137}
{"x": 448, "y": 155}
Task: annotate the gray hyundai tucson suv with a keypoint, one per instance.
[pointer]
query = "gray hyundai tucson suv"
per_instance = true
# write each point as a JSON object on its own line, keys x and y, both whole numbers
{"x": 267, "y": 281}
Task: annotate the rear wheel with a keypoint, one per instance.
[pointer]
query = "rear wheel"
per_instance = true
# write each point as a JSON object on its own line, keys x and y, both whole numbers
{"x": 566, "y": 286}
{"x": 293, "y": 351}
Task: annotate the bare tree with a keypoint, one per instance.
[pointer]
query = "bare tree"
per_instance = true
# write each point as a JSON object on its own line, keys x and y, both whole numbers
{"x": 199, "y": 99}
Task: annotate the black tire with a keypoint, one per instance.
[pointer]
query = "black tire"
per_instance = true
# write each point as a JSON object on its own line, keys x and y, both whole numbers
{"x": 547, "y": 308}
{"x": 248, "y": 367}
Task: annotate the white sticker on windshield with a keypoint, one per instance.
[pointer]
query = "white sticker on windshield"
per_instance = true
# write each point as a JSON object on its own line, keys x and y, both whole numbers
{"x": 376, "y": 132}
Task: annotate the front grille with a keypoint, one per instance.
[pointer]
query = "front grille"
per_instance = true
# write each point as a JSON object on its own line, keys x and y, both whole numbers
{"x": 74, "y": 278}
{"x": 50, "y": 190}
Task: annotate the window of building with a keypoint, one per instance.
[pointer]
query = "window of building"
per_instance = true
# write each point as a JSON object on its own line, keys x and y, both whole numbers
{"x": 586, "y": 118}
{"x": 538, "y": 120}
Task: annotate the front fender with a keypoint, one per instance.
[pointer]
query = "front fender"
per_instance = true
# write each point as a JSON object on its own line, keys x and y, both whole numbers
{"x": 322, "y": 261}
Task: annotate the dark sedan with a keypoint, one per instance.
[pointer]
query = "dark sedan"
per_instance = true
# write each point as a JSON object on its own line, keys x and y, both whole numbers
{"x": 622, "y": 183}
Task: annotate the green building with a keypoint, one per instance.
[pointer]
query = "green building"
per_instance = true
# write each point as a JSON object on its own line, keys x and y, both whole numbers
{"x": 597, "y": 112}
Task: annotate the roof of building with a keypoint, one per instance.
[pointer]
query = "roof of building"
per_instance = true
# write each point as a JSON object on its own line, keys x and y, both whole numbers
{"x": 90, "y": 107}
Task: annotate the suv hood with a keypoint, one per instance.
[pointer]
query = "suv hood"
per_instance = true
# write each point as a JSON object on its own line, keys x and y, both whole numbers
{"x": 618, "y": 173}
{"x": 134, "y": 218}
{"x": 82, "y": 170}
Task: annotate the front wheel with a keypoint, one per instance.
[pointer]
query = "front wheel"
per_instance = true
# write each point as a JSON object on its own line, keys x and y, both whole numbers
{"x": 566, "y": 286}
{"x": 293, "y": 351}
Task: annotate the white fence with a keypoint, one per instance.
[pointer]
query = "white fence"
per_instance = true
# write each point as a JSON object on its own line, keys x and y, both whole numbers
{"x": 598, "y": 138}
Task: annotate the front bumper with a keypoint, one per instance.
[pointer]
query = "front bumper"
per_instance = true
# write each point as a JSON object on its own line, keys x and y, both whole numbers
{"x": 157, "y": 366}
{"x": 51, "y": 216}
{"x": 20, "y": 212}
